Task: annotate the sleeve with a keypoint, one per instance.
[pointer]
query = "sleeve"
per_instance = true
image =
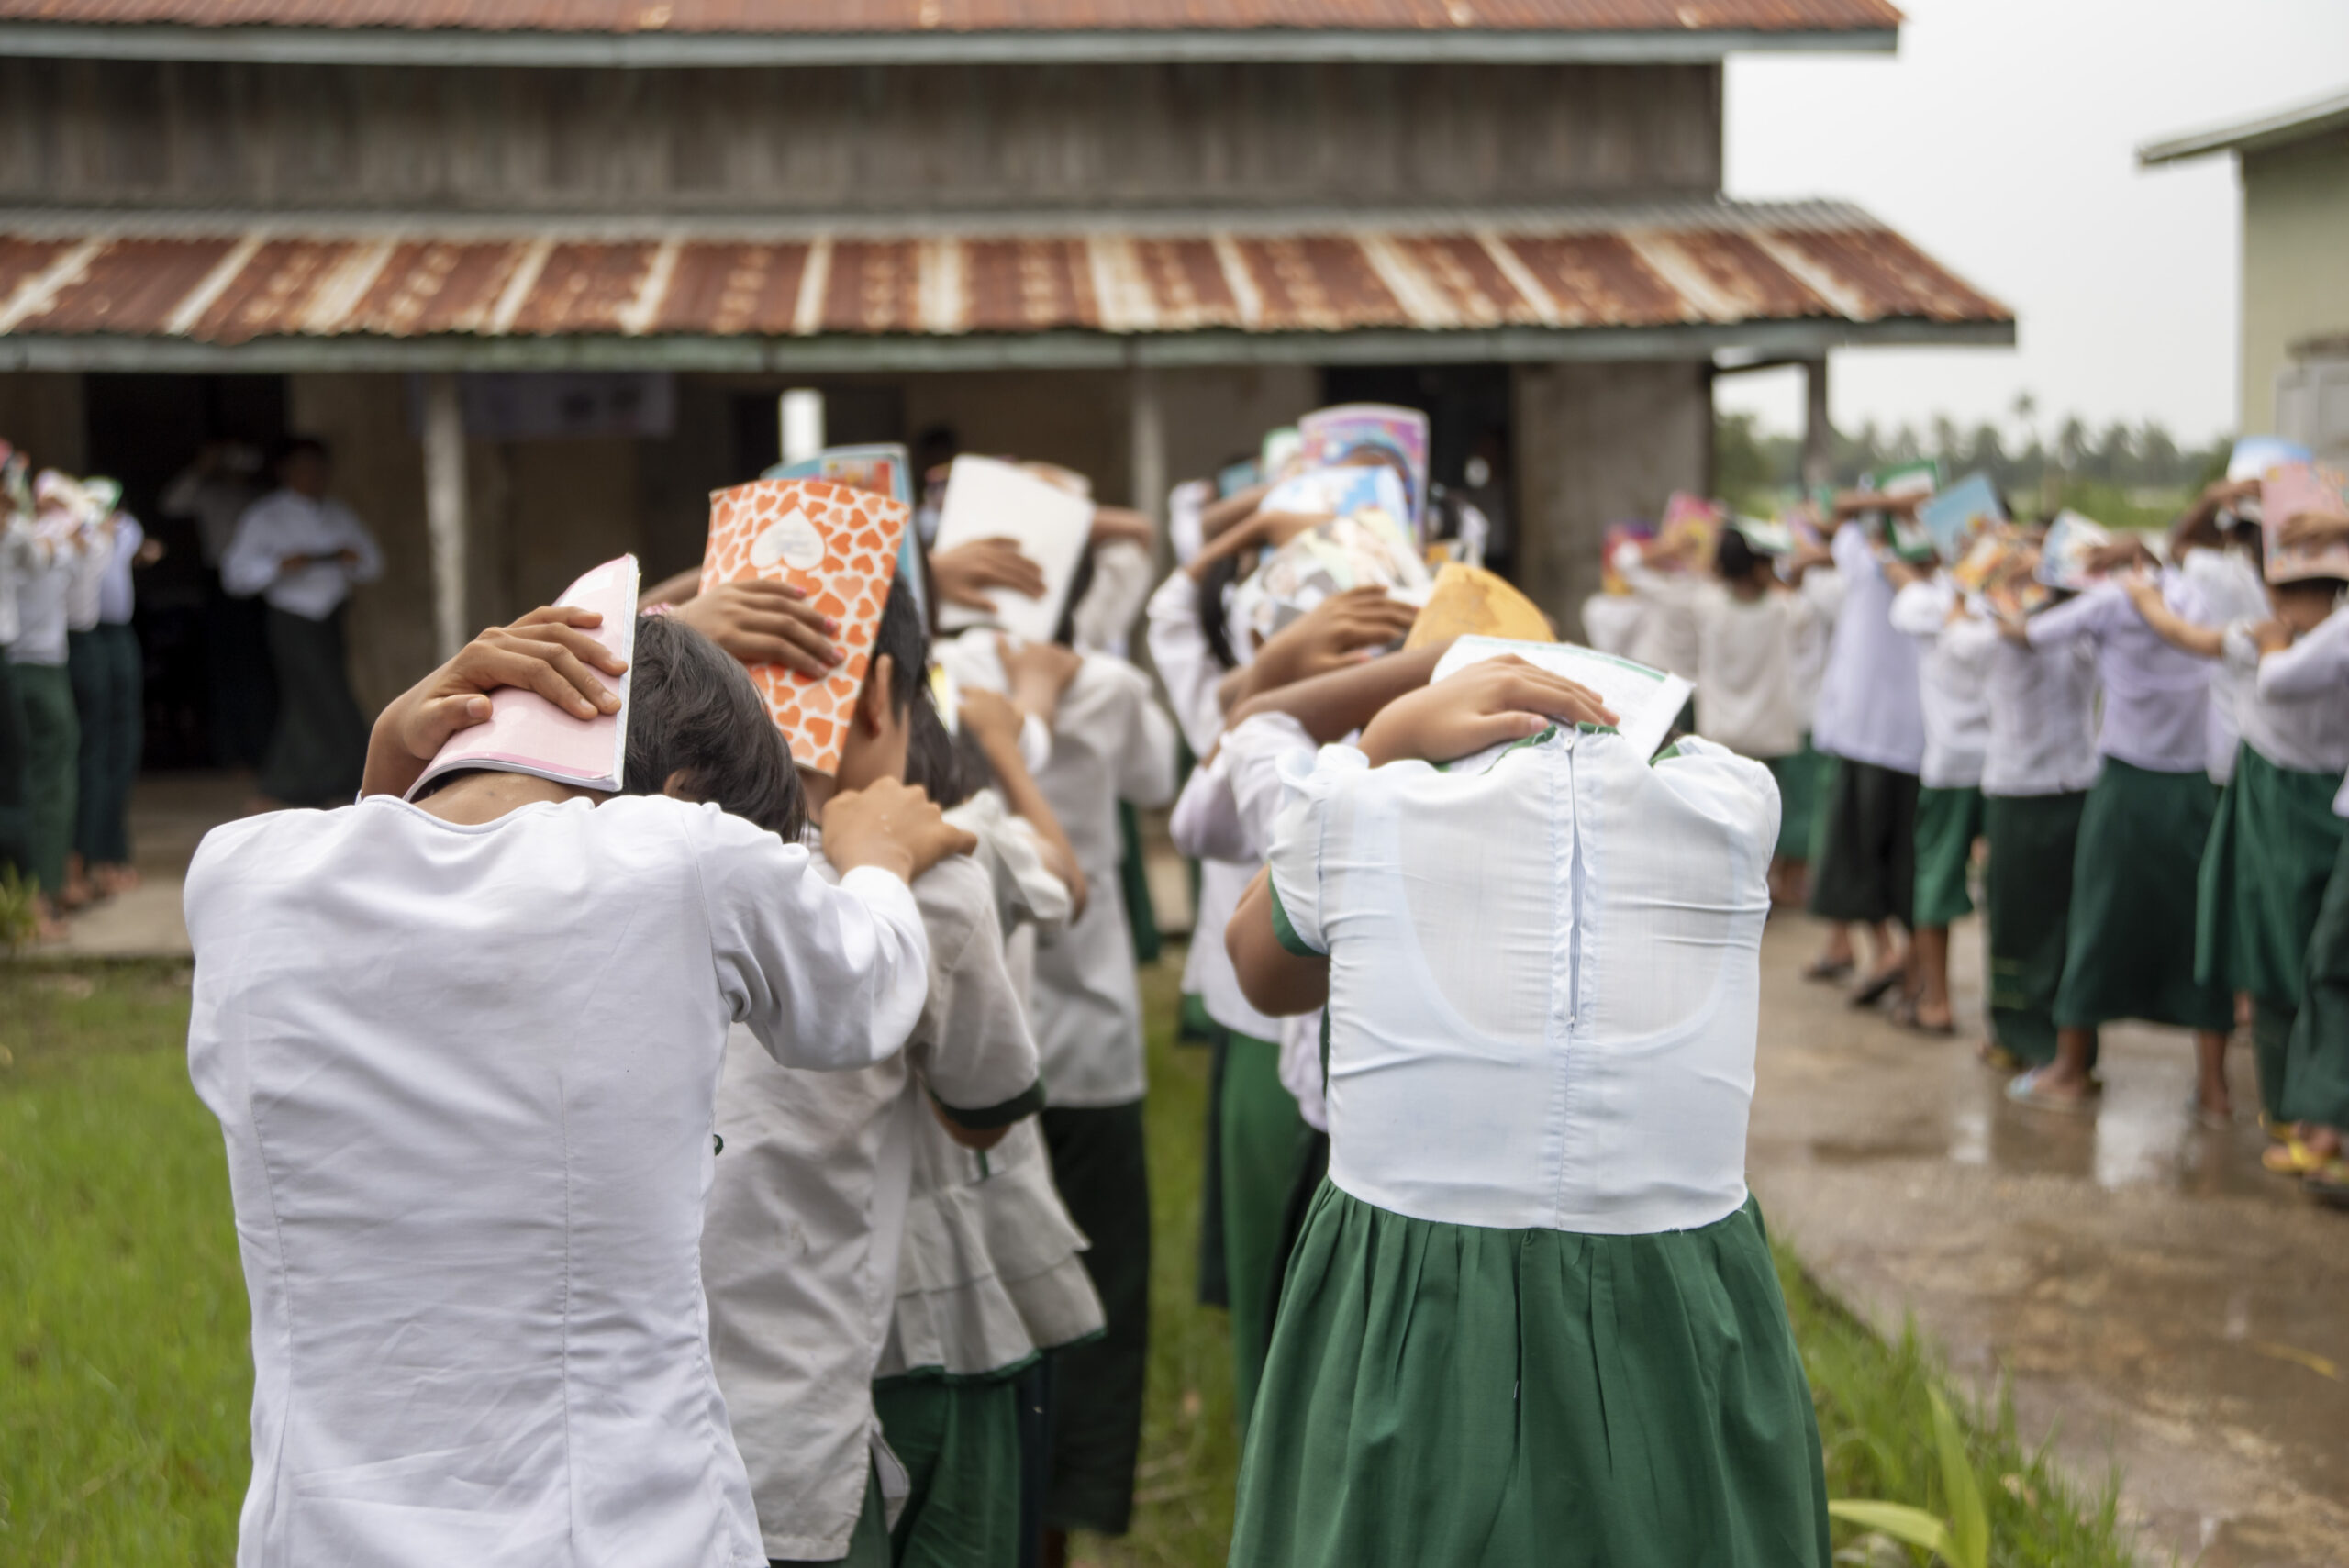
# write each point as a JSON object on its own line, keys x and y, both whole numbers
{"x": 826, "y": 976}
{"x": 1187, "y": 667}
{"x": 1853, "y": 552}
{"x": 1035, "y": 743}
{"x": 2088, "y": 616}
{"x": 1294, "y": 860}
{"x": 1919, "y": 609}
{"x": 2237, "y": 652}
{"x": 1254, "y": 758}
{"x": 1969, "y": 639}
{"x": 1205, "y": 822}
{"x": 1736, "y": 791}
{"x": 1146, "y": 762}
{"x": 972, "y": 1046}
{"x": 2315, "y": 665}
{"x": 1608, "y": 620}
{"x": 1824, "y": 588}
{"x": 1120, "y": 583}
{"x": 361, "y": 543}
{"x": 250, "y": 563}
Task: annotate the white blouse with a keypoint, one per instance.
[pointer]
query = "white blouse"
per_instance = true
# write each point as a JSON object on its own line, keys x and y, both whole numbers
{"x": 1952, "y": 682}
{"x": 2317, "y": 667}
{"x": 2230, "y": 590}
{"x": 1748, "y": 655}
{"x": 2156, "y": 697}
{"x": 466, "y": 1076}
{"x": 1544, "y": 978}
{"x": 2298, "y": 716}
{"x": 2043, "y": 719}
{"x": 1869, "y": 709}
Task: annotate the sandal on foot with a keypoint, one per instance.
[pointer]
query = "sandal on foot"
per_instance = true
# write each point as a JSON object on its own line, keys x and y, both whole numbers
{"x": 1826, "y": 971}
{"x": 2024, "y": 1089}
{"x": 2329, "y": 1182}
{"x": 1875, "y": 985}
{"x": 1992, "y": 1054}
{"x": 2291, "y": 1158}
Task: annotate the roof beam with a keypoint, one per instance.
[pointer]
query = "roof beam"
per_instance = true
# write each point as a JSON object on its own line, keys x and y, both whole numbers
{"x": 655, "y": 51}
{"x": 978, "y": 351}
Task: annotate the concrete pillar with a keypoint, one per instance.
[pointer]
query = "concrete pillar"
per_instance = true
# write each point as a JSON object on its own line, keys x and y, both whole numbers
{"x": 1146, "y": 443}
{"x": 1596, "y": 443}
{"x": 444, "y": 509}
{"x": 1817, "y": 435}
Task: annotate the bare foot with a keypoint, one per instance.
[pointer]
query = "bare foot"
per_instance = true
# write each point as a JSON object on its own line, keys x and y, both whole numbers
{"x": 117, "y": 878}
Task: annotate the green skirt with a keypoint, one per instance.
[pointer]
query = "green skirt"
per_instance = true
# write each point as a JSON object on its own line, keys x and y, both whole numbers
{"x": 2034, "y": 843}
{"x": 1948, "y": 821}
{"x": 1100, "y": 1166}
{"x": 959, "y": 1440}
{"x": 2270, "y": 853}
{"x": 1798, "y": 778}
{"x": 1866, "y": 869}
{"x": 1440, "y": 1395}
{"x": 1263, "y": 1143}
{"x": 2129, "y": 946}
{"x": 2316, "y": 1069}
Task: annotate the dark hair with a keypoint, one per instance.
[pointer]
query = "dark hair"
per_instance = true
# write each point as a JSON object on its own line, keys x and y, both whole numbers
{"x": 288, "y": 446}
{"x": 693, "y": 711}
{"x": 1080, "y": 582}
{"x": 1220, "y": 574}
{"x": 904, "y": 638}
{"x": 1735, "y": 557}
{"x": 932, "y": 758}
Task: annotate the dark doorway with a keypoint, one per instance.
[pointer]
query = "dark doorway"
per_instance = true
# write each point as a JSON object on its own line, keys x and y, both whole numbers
{"x": 144, "y": 430}
{"x": 854, "y": 414}
{"x": 1469, "y": 452}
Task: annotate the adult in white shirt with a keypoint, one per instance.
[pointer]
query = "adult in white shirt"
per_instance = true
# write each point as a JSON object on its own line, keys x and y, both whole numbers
{"x": 465, "y": 1052}
{"x": 1541, "y": 968}
{"x": 212, "y": 494}
{"x": 1950, "y": 676}
{"x": 1871, "y": 720}
{"x": 302, "y": 551}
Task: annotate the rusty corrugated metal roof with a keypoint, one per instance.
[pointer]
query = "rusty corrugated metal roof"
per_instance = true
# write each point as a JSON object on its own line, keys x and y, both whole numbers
{"x": 1687, "y": 263}
{"x": 887, "y": 17}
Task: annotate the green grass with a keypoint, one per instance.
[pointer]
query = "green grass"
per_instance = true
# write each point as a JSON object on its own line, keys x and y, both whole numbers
{"x": 125, "y": 1386}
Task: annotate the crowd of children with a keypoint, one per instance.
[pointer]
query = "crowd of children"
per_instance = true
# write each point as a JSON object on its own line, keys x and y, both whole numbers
{"x": 2141, "y": 748}
{"x": 737, "y": 1156}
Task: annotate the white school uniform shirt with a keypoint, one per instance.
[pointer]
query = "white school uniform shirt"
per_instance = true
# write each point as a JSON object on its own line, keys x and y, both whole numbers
{"x": 87, "y": 579}
{"x": 2156, "y": 697}
{"x": 2298, "y": 714}
{"x": 2042, "y": 717}
{"x": 17, "y": 550}
{"x": 1665, "y": 637}
{"x": 1205, "y": 825}
{"x": 2232, "y": 590}
{"x": 287, "y": 522}
{"x": 1257, "y": 758}
{"x": 1952, "y": 682}
{"x": 1823, "y": 586}
{"x": 1544, "y": 978}
{"x": 1611, "y": 622}
{"x": 466, "y": 1075}
{"x": 1747, "y": 655}
{"x": 45, "y": 566}
{"x": 1869, "y": 709}
{"x": 1187, "y": 668}
{"x": 807, "y": 1214}
{"x": 1111, "y": 741}
{"x": 118, "y": 598}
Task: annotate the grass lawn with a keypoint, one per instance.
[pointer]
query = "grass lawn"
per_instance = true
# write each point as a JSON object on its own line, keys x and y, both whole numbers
{"x": 125, "y": 1382}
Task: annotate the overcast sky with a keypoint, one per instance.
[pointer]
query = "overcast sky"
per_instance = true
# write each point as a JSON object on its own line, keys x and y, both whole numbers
{"x": 2002, "y": 140}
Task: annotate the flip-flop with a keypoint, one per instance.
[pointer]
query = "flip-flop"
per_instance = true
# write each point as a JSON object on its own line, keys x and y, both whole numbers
{"x": 1826, "y": 971}
{"x": 1875, "y": 985}
{"x": 2293, "y": 1158}
{"x": 2329, "y": 1182}
{"x": 1992, "y": 1054}
{"x": 2023, "y": 1090}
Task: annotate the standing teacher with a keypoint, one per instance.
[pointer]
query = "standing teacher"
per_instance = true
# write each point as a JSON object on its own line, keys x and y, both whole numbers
{"x": 303, "y": 552}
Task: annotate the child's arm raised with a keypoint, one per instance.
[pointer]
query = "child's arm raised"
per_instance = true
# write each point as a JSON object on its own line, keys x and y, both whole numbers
{"x": 2207, "y": 642}
{"x": 1278, "y": 981}
{"x": 994, "y": 723}
{"x": 547, "y": 651}
{"x": 1490, "y": 703}
{"x": 1332, "y": 705}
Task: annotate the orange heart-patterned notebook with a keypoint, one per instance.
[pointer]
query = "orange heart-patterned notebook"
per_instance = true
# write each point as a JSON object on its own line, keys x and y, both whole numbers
{"x": 839, "y": 544}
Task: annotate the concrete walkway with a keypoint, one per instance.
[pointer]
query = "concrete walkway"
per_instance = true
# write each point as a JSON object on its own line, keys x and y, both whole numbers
{"x": 170, "y": 814}
{"x": 2155, "y": 1299}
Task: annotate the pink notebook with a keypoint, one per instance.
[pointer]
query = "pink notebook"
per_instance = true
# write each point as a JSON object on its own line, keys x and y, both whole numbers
{"x": 2288, "y": 491}
{"x": 527, "y": 734}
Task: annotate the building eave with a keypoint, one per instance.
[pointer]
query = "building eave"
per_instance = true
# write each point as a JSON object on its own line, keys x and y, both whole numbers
{"x": 666, "y": 50}
{"x": 2280, "y": 129}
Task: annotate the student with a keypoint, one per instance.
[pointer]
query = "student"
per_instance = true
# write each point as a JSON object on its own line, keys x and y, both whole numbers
{"x": 1754, "y": 638}
{"x": 16, "y": 547}
{"x": 1802, "y": 818}
{"x": 807, "y": 1209}
{"x": 1952, "y": 669}
{"x": 1665, "y": 581}
{"x": 2275, "y": 838}
{"x": 2129, "y": 943}
{"x": 1871, "y": 721}
{"x": 104, "y": 661}
{"x": 2036, "y": 769}
{"x": 2218, "y": 555}
{"x": 303, "y": 551}
{"x": 1110, "y": 741}
{"x": 50, "y": 552}
{"x": 465, "y": 1052}
{"x": 1532, "y": 1318}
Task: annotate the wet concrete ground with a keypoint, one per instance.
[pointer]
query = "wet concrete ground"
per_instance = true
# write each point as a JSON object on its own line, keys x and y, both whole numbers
{"x": 2155, "y": 1299}
{"x": 170, "y": 814}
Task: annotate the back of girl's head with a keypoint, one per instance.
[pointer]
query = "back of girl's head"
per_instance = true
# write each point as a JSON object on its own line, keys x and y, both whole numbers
{"x": 1217, "y": 581}
{"x": 932, "y": 758}
{"x": 1735, "y": 558}
{"x": 694, "y": 716}
{"x": 1079, "y": 583}
{"x": 904, "y": 638}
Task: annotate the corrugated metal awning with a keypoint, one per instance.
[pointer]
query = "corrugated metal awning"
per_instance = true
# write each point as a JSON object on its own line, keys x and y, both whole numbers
{"x": 1516, "y": 285}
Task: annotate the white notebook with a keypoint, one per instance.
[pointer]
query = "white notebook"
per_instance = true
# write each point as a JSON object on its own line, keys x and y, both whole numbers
{"x": 1645, "y": 700}
{"x": 988, "y": 498}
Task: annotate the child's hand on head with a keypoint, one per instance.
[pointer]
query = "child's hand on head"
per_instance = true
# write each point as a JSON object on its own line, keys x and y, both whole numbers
{"x": 1038, "y": 672}
{"x": 1342, "y": 630}
{"x": 765, "y": 623}
{"x": 1490, "y": 703}
{"x": 992, "y": 722}
{"x": 547, "y": 651}
{"x": 1112, "y": 524}
{"x": 969, "y": 573}
{"x": 890, "y": 824}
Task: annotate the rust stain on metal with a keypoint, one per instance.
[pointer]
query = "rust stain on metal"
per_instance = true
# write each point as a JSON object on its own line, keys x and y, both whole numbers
{"x": 1598, "y": 280}
{"x": 1188, "y": 284}
{"x": 731, "y": 290}
{"x": 834, "y": 16}
{"x": 430, "y": 286}
{"x": 875, "y": 286}
{"x": 1465, "y": 274}
{"x": 1318, "y": 283}
{"x": 1028, "y": 286}
{"x": 1896, "y": 277}
{"x": 23, "y": 259}
{"x": 1744, "y": 274}
{"x": 132, "y": 285}
{"x": 583, "y": 288}
{"x": 268, "y": 291}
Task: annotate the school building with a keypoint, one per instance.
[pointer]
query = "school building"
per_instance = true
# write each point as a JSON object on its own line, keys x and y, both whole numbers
{"x": 539, "y": 269}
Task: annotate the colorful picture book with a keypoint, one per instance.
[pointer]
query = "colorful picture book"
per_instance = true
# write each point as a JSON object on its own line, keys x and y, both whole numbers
{"x": 1953, "y": 517}
{"x": 1611, "y": 579}
{"x": 1281, "y": 448}
{"x": 883, "y": 467}
{"x": 525, "y": 733}
{"x": 2293, "y": 490}
{"x": 1468, "y": 601}
{"x": 1340, "y": 493}
{"x": 2063, "y": 555}
{"x": 840, "y": 544}
{"x": 1766, "y": 539}
{"x": 1368, "y": 549}
{"x": 1645, "y": 700}
{"x": 1690, "y": 532}
{"x": 1332, "y": 435}
{"x": 988, "y": 498}
{"x": 2255, "y": 455}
